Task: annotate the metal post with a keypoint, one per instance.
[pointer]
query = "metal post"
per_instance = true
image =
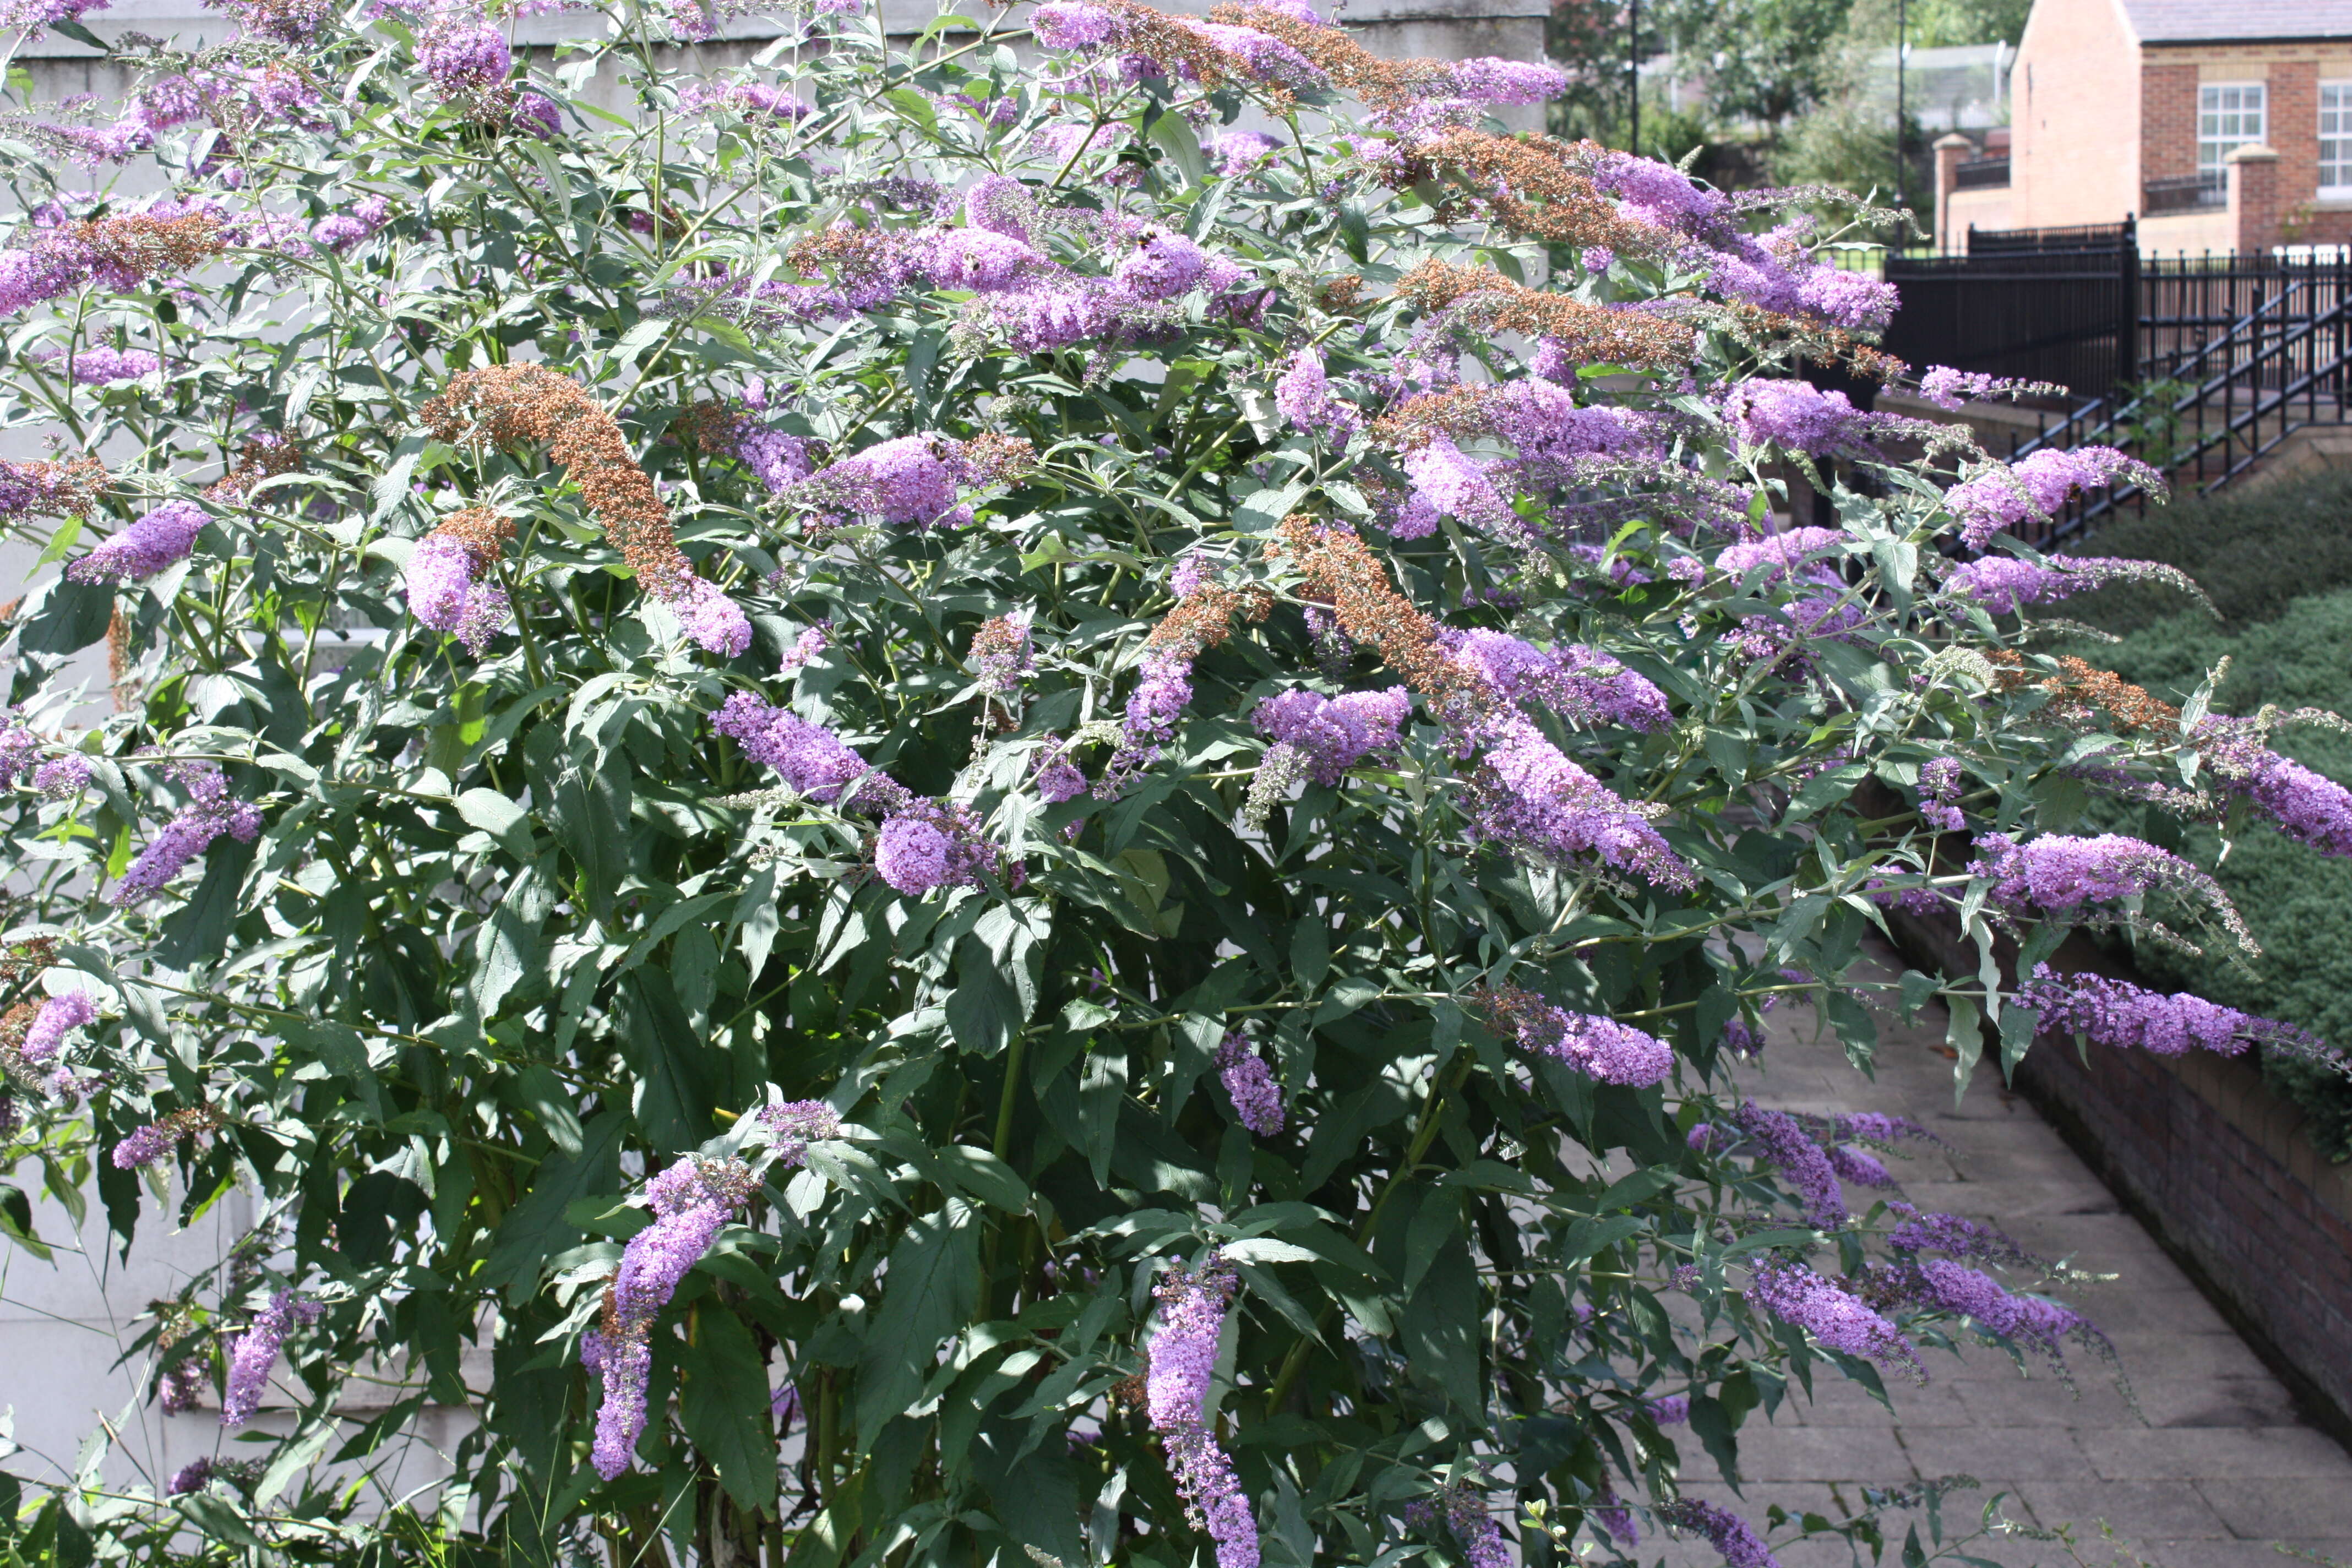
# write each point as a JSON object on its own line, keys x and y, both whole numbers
{"x": 1902, "y": 61}
{"x": 1634, "y": 74}
{"x": 2128, "y": 326}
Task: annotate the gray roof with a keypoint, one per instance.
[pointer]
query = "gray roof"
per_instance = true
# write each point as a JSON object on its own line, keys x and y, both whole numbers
{"x": 2213, "y": 21}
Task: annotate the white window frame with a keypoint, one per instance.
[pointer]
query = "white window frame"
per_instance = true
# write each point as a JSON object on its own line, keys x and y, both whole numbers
{"x": 2336, "y": 140}
{"x": 2229, "y": 115}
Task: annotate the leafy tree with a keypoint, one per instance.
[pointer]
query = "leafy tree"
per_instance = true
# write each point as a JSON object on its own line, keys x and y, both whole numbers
{"x": 994, "y": 819}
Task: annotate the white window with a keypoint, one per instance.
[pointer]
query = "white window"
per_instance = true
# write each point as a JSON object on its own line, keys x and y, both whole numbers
{"x": 2336, "y": 138}
{"x": 2229, "y": 116}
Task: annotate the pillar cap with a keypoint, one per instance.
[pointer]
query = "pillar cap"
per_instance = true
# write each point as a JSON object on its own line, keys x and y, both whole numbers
{"x": 1953, "y": 139}
{"x": 2252, "y": 152}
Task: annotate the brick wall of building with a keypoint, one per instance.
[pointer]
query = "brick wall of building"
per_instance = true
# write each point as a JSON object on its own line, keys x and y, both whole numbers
{"x": 2168, "y": 120}
{"x": 2073, "y": 99}
{"x": 2216, "y": 1166}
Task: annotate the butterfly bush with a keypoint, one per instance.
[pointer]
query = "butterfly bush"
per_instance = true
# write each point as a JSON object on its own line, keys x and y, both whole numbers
{"x": 1019, "y": 792}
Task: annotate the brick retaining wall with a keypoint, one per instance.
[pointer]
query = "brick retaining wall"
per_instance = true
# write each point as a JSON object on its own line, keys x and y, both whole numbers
{"x": 2217, "y": 1167}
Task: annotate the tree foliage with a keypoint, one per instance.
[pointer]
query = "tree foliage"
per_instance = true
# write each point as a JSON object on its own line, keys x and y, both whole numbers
{"x": 799, "y": 742}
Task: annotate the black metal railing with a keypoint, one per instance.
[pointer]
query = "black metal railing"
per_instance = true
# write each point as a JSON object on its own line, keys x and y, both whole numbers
{"x": 2226, "y": 406}
{"x": 2060, "y": 307}
{"x": 1980, "y": 174}
{"x": 2183, "y": 192}
{"x": 2016, "y": 241}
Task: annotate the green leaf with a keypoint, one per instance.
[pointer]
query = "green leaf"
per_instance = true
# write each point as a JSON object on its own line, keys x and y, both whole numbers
{"x": 723, "y": 1403}
{"x": 535, "y": 1229}
{"x": 1440, "y": 1329}
{"x": 677, "y": 1073}
{"x": 926, "y": 1294}
{"x": 345, "y": 1052}
{"x": 981, "y": 1175}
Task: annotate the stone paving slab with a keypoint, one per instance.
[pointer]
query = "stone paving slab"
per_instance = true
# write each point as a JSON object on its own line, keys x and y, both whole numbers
{"x": 2207, "y": 1466}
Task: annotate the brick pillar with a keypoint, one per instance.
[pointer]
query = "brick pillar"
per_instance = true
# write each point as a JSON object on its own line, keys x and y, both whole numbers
{"x": 1951, "y": 151}
{"x": 2254, "y": 198}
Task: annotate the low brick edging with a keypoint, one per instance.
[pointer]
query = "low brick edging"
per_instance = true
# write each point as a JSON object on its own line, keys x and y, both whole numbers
{"x": 2216, "y": 1166}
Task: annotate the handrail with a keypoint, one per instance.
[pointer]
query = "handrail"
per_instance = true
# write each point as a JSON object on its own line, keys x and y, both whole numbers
{"x": 2261, "y": 405}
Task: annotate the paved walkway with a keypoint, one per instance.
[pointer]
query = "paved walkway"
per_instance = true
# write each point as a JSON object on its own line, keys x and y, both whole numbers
{"x": 2219, "y": 1470}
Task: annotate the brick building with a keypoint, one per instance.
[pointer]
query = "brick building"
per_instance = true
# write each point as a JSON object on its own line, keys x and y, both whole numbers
{"x": 2220, "y": 124}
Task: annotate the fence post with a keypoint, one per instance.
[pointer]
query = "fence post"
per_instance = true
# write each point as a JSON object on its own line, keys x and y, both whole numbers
{"x": 2128, "y": 328}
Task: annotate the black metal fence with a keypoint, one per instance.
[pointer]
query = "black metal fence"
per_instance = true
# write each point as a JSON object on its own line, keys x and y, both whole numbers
{"x": 2198, "y": 365}
{"x": 2065, "y": 316}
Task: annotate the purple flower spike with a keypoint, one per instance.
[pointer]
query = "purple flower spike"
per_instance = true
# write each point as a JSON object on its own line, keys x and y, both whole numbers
{"x": 47, "y": 1034}
{"x": 1837, "y": 1318}
{"x": 1725, "y": 1530}
{"x": 210, "y": 811}
{"x": 163, "y": 537}
{"x": 1257, "y": 1098}
{"x": 1178, "y": 1363}
{"x": 253, "y": 1353}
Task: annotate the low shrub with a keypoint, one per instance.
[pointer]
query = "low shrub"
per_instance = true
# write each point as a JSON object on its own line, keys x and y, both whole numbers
{"x": 2300, "y": 908}
{"x": 2254, "y": 550}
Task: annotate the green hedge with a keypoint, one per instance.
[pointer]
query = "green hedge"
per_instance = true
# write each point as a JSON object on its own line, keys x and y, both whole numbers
{"x": 2255, "y": 550}
{"x": 2299, "y": 906}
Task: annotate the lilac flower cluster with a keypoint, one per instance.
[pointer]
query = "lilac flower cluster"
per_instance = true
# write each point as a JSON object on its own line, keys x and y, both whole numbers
{"x": 2032, "y": 490}
{"x": 710, "y": 619}
{"x": 190, "y": 1477}
{"x": 101, "y": 366}
{"x": 2118, "y": 1014}
{"x": 1774, "y": 271}
{"x": 1179, "y": 1361}
{"x": 1781, "y": 1140}
{"x": 1447, "y": 482}
{"x": 1332, "y": 734}
{"x": 64, "y": 777}
{"x": 797, "y": 1124}
{"x": 1948, "y": 388}
{"x": 2059, "y": 873}
{"x": 211, "y": 811}
{"x": 1528, "y": 796}
{"x": 1481, "y": 1539}
{"x": 1948, "y": 1233}
{"x": 1598, "y": 1047}
{"x": 1237, "y": 152}
{"x": 444, "y": 591}
{"x": 1800, "y": 417}
{"x": 163, "y": 537}
{"x": 909, "y": 480}
{"x": 1000, "y": 651}
{"x": 1782, "y": 554}
{"x": 1256, "y": 1096}
{"x": 149, "y": 1144}
{"x": 1239, "y": 51}
{"x": 1836, "y": 1317}
{"x": 2307, "y": 807}
{"x": 252, "y": 1355}
{"x": 931, "y": 845}
{"x": 1943, "y": 1286}
{"x": 1728, "y": 1533}
{"x": 59, "y": 1015}
{"x": 464, "y": 57}
{"x": 2004, "y": 584}
{"x": 339, "y": 231}
{"x": 1304, "y": 397}
{"x": 690, "y": 1201}
{"x": 1579, "y": 684}
{"x": 752, "y": 100}
{"x": 1939, "y": 795}
{"x": 923, "y": 844}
